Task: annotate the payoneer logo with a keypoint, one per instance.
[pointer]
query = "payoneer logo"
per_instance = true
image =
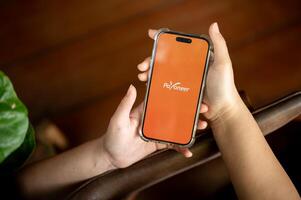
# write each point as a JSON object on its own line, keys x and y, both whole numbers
{"x": 175, "y": 86}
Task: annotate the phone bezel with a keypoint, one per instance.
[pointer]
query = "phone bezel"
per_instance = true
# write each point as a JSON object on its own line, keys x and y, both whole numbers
{"x": 201, "y": 90}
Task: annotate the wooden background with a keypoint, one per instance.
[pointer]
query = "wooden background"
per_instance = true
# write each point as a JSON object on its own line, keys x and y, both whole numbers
{"x": 71, "y": 61}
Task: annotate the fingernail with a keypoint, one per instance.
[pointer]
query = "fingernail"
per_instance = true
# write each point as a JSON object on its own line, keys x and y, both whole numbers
{"x": 129, "y": 89}
{"x": 189, "y": 154}
{"x": 215, "y": 27}
{"x": 204, "y": 109}
{"x": 144, "y": 64}
{"x": 204, "y": 125}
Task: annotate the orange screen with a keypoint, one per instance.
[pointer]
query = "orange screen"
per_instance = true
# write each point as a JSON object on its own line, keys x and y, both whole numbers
{"x": 174, "y": 88}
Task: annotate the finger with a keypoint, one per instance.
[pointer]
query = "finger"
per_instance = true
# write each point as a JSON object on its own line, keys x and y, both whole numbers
{"x": 126, "y": 104}
{"x": 185, "y": 151}
{"x": 204, "y": 108}
{"x": 221, "y": 54}
{"x": 202, "y": 124}
{"x": 152, "y": 33}
{"x": 143, "y": 76}
{"x": 137, "y": 112}
{"x": 161, "y": 146}
{"x": 144, "y": 66}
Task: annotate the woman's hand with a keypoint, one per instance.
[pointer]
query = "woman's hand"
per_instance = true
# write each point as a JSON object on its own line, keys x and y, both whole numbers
{"x": 220, "y": 91}
{"x": 122, "y": 143}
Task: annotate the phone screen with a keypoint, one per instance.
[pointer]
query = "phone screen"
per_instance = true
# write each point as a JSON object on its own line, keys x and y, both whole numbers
{"x": 174, "y": 88}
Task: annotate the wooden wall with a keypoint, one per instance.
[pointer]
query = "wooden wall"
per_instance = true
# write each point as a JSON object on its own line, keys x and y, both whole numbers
{"x": 71, "y": 61}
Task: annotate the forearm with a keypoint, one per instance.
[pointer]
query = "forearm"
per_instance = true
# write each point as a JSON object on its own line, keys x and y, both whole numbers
{"x": 254, "y": 170}
{"x": 56, "y": 174}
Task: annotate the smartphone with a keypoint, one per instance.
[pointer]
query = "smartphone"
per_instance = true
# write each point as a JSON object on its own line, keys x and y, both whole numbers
{"x": 175, "y": 86}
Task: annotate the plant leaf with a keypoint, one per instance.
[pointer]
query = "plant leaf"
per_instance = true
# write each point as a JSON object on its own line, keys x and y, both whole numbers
{"x": 20, "y": 155}
{"x": 14, "y": 122}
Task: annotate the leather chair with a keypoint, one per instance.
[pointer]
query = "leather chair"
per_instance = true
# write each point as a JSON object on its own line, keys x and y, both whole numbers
{"x": 164, "y": 164}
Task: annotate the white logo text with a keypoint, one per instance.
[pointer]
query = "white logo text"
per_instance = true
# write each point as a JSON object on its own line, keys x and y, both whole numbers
{"x": 175, "y": 86}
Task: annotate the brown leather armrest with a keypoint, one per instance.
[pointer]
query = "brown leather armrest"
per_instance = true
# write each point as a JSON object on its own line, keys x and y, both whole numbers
{"x": 160, "y": 166}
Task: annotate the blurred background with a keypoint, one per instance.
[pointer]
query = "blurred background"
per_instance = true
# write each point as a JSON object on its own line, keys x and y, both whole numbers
{"x": 72, "y": 61}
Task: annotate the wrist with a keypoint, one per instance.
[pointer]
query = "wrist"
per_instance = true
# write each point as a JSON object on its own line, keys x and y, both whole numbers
{"x": 230, "y": 108}
{"x": 102, "y": 157}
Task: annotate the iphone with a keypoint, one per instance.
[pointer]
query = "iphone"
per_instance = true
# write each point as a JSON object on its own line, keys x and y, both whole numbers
{"x": 175, "y": 87}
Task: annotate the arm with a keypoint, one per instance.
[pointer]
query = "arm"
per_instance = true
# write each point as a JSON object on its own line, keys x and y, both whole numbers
{"x": 60, "y": 173}
{"x": 253, "y": 168}
{"x": 119, "y": 147}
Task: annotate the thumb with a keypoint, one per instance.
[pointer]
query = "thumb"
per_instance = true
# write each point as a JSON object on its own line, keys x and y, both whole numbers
{"x": 221, "y": 55}
{"x": 126, "y": 104}
{"x": 137, "y": 112}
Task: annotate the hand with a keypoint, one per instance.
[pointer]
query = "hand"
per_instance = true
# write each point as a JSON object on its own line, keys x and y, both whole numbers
{"x": 220, "y": 91}
{"x": 122, "y": 143}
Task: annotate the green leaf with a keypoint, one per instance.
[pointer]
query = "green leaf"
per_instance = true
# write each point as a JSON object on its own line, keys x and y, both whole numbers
{"x": 15, "y": 131}
{"x": 20, "y": 155}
